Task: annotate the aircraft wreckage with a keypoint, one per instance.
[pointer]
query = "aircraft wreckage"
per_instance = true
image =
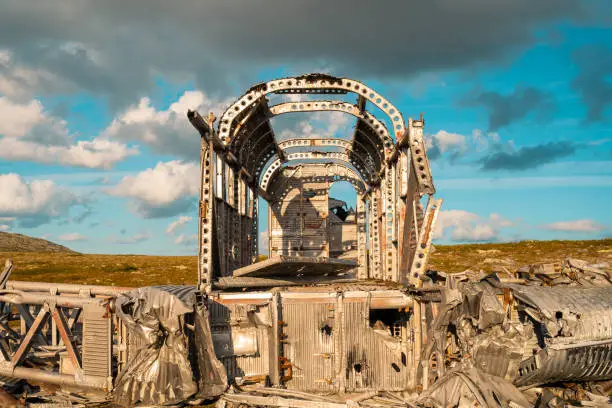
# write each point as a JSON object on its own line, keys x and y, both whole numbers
{"x": 319, "y": 323}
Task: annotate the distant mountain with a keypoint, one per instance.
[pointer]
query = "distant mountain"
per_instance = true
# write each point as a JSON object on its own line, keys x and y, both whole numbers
{"x": 10, "y": 242}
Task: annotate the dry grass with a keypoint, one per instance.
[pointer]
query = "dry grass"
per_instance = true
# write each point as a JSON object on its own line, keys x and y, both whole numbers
{"x": 114, "y": 270}
{"x": 141, "y": 270}
{"x": 491, "y": 257}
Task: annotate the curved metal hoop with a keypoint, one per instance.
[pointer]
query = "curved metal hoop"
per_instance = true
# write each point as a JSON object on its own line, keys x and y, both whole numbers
{"x": 337, "y": 106}
{"x": 307, "y": 84}
{"x": 341, "y": 157}
{"x": 350, "y": 176}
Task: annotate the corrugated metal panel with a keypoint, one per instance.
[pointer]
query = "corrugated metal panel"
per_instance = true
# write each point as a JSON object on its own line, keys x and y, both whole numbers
{"x": 219, "y": 314}
{"x": 588, "y": 309}
{"x": 97, "y": 341}
{"x": 134, "y": 343}
{"x": 580, "y": 363}
{"x": 314, "y": 341}
{"x": 310, "y": 331}
{"x": 374, "y": 361}
{"x": 184, "y": 293}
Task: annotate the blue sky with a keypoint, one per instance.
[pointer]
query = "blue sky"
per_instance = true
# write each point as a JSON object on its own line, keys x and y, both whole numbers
{"x": 96, "y": 152}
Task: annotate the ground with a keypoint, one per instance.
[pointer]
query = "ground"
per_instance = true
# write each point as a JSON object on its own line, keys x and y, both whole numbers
{"x": 495, "y": 257}
{"x": 141, "y": 270}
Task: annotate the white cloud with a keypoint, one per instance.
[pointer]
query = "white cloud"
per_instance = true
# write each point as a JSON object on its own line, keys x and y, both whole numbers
{"x": 6, "y": 223}
{"x": 5, "y": 56}
{"x": 451, "y": 218}
{"x": 20, "y": 83}
{"x": 97, "y": 153}
{"x": 319, "y": 125}
{"x": 576, "y": 226}
{"x": 263, "y": 242}
{"x": 163, "y": 191}
{"x": 186, "y": 240}
{"x": 447, "y": 141}
{"x": 33, "y": 203}
{"x": 133, "y": 239}
{"x": 165, "y": 131}
{"x": 477, "y": 232}
{"x": 332, "y": 121}
{"x": 500, "y": 221}
{"x": 18, "y": 119}
{"x": 178, "y": 224}
{"x": 484, "y": 140}
{"x": 456, "y": 145}
{"x": 29, "y": 133}
{"x": 29, "y": 121}
{"x": 464, "y": 226}
{"x": 72, "y": 237}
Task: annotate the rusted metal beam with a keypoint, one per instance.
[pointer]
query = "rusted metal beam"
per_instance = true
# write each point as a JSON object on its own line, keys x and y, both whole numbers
{"x": 66, "y": 335}
{"x": 29, "y": 298}
{"x": 33, "y": 374}
{"x": 6, "y": 272}
{"x": 28, "y": 319}
{"x": 205, "y": 129}
{"x": 5, "y": 349}
{"x": 264, "y": 194}
{"x": 66, "y": 288}
{"x": 424, "y": 243}
{"x": 26, "y": 343}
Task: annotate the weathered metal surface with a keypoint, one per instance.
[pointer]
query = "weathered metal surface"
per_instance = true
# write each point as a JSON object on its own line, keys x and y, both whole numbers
{"x": 423, "y": 246}
{"x": 161, "y": 371}
{"x": 470, "y": 387}
{"x": 313, "y": 83}
{"x": 378, "y": 355}
{"x": 310, "y": 343}
{"x": 296, "y": 266}
{"x": 529, "y": 335}
{"x": 66, "y": 288}
{"x": 569, "y": 314}
{"x": 244, "y": 317}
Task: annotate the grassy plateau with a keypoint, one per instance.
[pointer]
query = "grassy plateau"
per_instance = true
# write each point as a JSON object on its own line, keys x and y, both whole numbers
{"x": 143, "y": 270}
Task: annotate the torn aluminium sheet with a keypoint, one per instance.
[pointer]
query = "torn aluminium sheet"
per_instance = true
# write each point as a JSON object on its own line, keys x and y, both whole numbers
{"x": 176, "y": 360}
{"x": 529, "y": 335}
{"x": 471, "y": 387}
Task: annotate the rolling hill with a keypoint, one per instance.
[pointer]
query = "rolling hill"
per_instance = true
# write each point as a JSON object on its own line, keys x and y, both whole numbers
{"x": 10, "y": 242}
